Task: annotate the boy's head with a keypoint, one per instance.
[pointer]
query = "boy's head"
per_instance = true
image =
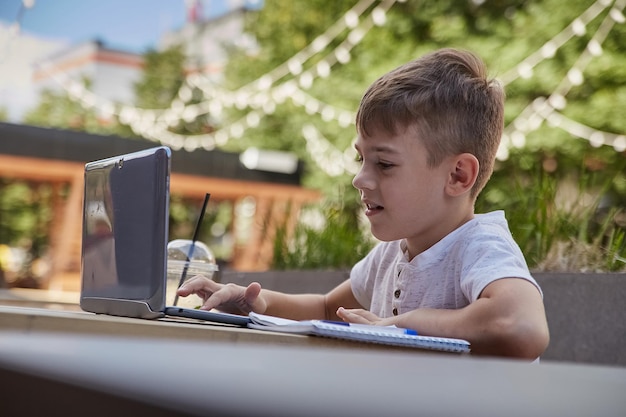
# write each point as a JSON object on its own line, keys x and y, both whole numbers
{"x": 446, "y": 97}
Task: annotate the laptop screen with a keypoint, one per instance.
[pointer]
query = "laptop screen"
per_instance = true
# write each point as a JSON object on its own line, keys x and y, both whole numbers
{"x": 125, "y": 229}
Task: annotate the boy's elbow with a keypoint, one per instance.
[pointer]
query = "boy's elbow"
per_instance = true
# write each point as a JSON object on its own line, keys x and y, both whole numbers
{"x": 528, "y": 341}
{"x": 523, "y": 339}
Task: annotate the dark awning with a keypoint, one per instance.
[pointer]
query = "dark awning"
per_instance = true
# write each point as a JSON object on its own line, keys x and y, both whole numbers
{"x": 68, "y": 145}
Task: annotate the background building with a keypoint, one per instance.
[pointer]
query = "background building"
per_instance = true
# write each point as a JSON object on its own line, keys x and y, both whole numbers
{"x": 111, "y": 73}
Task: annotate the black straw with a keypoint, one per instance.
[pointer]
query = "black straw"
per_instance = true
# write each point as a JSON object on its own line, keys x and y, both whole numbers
{"x": 196, "y": 232}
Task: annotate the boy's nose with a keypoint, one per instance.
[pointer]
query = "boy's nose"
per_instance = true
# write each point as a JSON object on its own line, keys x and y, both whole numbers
{"x": 360, "y": 181}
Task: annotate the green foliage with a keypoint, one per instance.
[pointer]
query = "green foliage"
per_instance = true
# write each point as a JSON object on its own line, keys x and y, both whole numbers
{"x": 215, "y": 225}
{"x": 503, "y": 33}
{"x": 162, "y": 77}
{"x": 57, "y": 110}
{"x": 282, "y": 29}
{"x": 531, "y": 186}
{"x": 24, "y": 215}
{"x": 339, "y": 243}
{"x": 563, "y": 219}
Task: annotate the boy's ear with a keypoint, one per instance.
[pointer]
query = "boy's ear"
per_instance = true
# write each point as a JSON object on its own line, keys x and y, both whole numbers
{"x": 463, "y": 174}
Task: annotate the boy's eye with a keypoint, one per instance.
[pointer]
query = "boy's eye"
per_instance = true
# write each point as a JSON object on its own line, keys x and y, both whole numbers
{"x": 381, "y": 164}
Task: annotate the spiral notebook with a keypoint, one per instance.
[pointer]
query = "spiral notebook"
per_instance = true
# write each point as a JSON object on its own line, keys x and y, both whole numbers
{"x": 391, "y": 335}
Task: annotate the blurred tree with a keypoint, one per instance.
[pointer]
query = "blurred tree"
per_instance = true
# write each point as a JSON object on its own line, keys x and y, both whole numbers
{"x": 57, "y": 109}
{"x": 24, "y": 216}
{"x": 282, "y": 29}
{"x": 504, "y": 33}
{"x": 163, "y": 74}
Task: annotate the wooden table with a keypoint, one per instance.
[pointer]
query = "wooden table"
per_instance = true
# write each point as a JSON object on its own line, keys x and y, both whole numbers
{"x": 78, "y": 374}
{"x": 73, "y": 363}
{"x": 30, "y": 320}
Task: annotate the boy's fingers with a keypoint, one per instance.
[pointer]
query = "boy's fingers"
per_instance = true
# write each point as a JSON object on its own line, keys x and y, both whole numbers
{"x": 216, "y": 295}
{"x": 252, "y": 292}
{"x": 358, "y": 316}
{"x": 224, "y": 294}
{"x": 198, "y": 284}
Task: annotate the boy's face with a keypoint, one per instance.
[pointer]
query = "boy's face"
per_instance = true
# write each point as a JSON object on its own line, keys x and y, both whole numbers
{"x": 403, "y": 196}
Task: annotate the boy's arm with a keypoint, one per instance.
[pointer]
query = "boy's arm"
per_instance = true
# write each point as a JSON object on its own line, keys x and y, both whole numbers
{"x": 310, "y": 306}
{"x": 508, "y": 319}
{"x": 237, "y": 299}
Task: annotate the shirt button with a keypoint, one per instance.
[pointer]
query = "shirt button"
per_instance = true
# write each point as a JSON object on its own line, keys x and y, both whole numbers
{"x": 396, "y": 293}
{"x": 395, "y": 311}
{"x": 399, "y": 272}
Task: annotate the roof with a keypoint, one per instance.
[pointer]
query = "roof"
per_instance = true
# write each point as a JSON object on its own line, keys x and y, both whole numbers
{"x": 74, "y": 146}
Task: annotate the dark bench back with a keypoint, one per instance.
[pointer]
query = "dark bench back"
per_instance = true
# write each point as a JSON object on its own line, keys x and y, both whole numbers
{"x": 587, "y": 317}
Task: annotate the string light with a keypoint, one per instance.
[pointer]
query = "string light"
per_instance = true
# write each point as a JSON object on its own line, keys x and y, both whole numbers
{"x": 341, "y": 54}
{"x": 318, "y": 44}
{"x": 542, "y": 109}
{"x": 326, "y": 156}
{"x": 548, "y": 50}
{"x": 261, "y": 96}
{"x": 246, "y": 96}
{"x": 250, "y": 95}
{"x": 595, "y": 137}
{"x": 557, "y": 100}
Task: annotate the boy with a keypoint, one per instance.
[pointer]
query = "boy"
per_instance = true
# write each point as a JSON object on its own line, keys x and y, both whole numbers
{"x": 428, "y": 133}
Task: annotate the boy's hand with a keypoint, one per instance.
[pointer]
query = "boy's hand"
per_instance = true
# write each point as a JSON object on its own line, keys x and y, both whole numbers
{"x": 229, "y": 298}
{"x": 359, "y": 316}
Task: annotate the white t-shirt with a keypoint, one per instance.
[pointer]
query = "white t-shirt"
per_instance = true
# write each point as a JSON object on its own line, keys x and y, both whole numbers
{"x": 449, "y": 275}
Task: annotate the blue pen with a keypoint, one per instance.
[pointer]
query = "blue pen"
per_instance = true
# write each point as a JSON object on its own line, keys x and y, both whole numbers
{"x": 392, "y": 329}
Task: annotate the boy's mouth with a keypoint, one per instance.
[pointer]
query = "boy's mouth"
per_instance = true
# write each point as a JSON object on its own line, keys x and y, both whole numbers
{"x": 372, "y": 209}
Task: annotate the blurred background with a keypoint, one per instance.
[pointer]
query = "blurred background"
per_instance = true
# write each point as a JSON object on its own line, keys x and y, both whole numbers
{"x": 267, "y": 91}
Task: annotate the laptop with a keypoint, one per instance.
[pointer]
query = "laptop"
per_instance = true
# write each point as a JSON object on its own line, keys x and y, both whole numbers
{"x": 125, "y": 235}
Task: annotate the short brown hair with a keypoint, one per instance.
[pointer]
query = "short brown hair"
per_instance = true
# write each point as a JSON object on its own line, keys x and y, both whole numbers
{"x": 447, "y": 97}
